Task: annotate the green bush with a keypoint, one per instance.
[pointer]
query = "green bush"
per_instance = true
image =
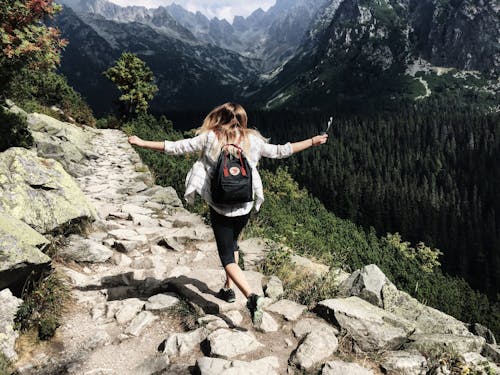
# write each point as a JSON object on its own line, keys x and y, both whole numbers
{"x": 4, "y": 365}
{"x": 32, "y": 89}
{"x": 14, "y": 130}
{"x": 42, "y": 306}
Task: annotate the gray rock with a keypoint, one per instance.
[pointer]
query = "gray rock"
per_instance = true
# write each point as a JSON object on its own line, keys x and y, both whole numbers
{"x": 225, "y": 343}
{"x": 425, "y": 319}
{"x": 288, "y": 309}
{"x": 441, "y": 344}
{"x": 344, "y": 368}
{"x": 182, "y": 343}
{"x": 234, "y": 316}
{"x": 219, "y": 366}
{"x": 371, "y": 327}
{"x": 163, "y": 195}
{"x": 212, "y": 322}
{"x": 19, "y": 251}
{"x": 134, "y": 188}
{"x": 118, "y": 214}
{"x": 308, "y": 325}
{"x": 480, "y": 330}
{"x": 153, "y": 365}
{"x": 273, "y": 288}
{"x": 78, "y": 279}
{"x": 85, "y": 250}
{"x": 40, "y": 192}
{"x": 65, "y": 142}
{"x": 492, "y": 351}
{"x": 134, "y": 209}
{"x": 143, "y": 262}
{"x": 140, "y": 322}
{"x": 129, "y": 247}
{"x": 403, "y": 362}
{"x": 128, "y": 310}
{"x": 315, "y": 348}
{"x": 8, "y": 309}
{"x": 121, "y": 260}
{"x": 161, "y": 302}
{"x": 144, "y": 220}
{"x": 255, "y": 250}
{"x": 123, "y": 234}
{"x": 268, "y": 324}
{"x": 365, "y": 283}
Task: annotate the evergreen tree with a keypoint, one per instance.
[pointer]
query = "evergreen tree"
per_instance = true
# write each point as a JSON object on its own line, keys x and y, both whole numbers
{"x": 135, "y": 80}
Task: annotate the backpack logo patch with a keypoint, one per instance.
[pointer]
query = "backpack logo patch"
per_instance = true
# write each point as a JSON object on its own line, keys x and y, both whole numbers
{"x": 235, "y": 171}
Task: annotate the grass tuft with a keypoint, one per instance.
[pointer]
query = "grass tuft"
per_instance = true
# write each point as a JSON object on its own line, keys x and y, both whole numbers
{"x": 43, "y": 303}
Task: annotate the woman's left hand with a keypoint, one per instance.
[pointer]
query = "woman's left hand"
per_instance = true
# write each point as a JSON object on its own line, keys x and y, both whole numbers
{"x": 319, "y": 139}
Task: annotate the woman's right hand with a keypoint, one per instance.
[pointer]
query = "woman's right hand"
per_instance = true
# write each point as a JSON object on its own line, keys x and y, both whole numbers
{"x": 135, "y": 140}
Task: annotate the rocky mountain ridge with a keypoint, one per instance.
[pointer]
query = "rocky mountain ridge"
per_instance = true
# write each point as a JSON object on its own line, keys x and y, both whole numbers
{"x": 363, "y": 48}
{"x": 144, "y": 254}
{"x": 185, "y": 73}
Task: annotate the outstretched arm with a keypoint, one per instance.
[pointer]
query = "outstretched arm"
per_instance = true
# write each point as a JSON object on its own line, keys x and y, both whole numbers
{"x": 135, "y": 140}
{"x": 314, "y": 141}
{"x": 183, "y": 146}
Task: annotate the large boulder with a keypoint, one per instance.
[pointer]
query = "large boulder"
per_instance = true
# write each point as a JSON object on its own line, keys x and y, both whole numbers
{"x": 67, "y": 143}
{"x": 426, "y": 319}
{"x": 8, "y": 309}
{"x": 365, "y": 283}
{"x": 316, "y": 347}
{"x": 19, "y": 252}
{"x": 371, "y": 327}
{"x": 40, "y": 192}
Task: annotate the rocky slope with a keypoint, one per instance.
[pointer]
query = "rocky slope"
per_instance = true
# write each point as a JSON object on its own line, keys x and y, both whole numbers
{"x": 145, "y": 258}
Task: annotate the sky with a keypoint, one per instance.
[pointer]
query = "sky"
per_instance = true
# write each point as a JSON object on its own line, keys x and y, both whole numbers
{"x": 211, "y": 8}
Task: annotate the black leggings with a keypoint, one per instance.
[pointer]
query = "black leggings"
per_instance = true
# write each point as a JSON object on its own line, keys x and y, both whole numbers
{"x": 226, "y": 231}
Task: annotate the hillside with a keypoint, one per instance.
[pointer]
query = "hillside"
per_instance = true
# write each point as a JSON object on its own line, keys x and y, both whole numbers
{"x": 142, "y": 253}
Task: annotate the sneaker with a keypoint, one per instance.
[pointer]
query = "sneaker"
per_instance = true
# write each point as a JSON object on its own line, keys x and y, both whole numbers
{"x": 254, "y": 305}
{"x": 227, "y": 294}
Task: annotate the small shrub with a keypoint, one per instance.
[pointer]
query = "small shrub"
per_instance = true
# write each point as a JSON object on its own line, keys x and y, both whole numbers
{"x": 4, "y": 365}
{"x": 14, "y": 129}
{"x": 187, "y": 314}
{"x": 42, "y": 306}
{"x": 299, "y": 285}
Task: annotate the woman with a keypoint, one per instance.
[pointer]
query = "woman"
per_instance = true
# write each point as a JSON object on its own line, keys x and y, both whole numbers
{"x": 227, "y": 124}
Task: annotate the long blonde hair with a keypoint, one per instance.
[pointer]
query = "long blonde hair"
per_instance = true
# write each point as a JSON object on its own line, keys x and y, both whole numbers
{"x": 229, "y": 122}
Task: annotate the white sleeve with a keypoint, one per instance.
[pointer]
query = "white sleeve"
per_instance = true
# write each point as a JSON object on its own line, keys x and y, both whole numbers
{"x": 185, "y": 146}
{"x": 268, "y": 150}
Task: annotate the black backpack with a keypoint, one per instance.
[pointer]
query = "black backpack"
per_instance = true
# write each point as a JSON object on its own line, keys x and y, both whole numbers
{"x": 232, "y": 178}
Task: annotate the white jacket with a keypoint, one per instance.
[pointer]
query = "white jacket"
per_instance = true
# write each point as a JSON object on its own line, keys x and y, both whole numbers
{"x": 199, "y": 177}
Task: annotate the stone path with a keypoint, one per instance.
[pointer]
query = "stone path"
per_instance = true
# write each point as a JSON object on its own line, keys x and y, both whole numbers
{"x": 133, "y": 275}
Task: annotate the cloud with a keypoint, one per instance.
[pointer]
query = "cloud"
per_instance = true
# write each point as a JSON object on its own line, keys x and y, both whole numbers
{"x": 211, "y": 8}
